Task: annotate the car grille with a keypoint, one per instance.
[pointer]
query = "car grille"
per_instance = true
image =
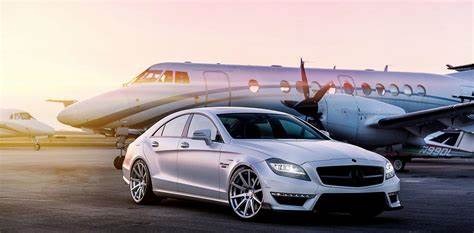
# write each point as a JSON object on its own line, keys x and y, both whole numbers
{"x": 351, "y": 176}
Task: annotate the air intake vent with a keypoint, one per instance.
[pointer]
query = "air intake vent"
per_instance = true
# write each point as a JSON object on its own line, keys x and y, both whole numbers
{"x": 351, "y": 176}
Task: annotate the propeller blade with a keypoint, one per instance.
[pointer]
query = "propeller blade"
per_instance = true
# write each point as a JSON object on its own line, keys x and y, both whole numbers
{"x": 319, "y": 94}
{"x": 304, "y": 85}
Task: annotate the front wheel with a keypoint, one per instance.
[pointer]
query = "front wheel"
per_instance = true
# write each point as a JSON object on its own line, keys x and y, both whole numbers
{"x": 37, "y": 146}
{"x": 245, "y": 193}
{"x": 140, "y": 186}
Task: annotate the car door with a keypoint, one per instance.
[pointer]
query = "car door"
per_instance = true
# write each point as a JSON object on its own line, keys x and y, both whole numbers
{"x": 198, "y": 163}
{"x": 162, "y": 149}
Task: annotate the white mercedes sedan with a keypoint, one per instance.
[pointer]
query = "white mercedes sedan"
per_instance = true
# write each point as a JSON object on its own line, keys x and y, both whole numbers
{"x": 254, "y": 159}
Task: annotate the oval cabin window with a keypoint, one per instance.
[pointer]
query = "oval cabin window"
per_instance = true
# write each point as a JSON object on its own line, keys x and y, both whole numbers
{"x": 315, "y": 87}
{"x": 348, "y": 88}
{"x": 380, "y": 89}
{"x": 285, "y": 86}
{"x": 394, "y": 89}
{"x": 407, "y": 90}
{"x": 253, "y": 85}
{"x": 366, "y": 89}
{"x": 421, "y": 90}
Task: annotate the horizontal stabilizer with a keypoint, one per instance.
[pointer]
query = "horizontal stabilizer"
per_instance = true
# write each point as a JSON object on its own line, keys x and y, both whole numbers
{"x": 64, "y": 102}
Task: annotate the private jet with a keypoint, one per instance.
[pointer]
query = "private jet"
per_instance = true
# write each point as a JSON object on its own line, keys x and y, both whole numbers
{"x": 18, "y": 123}
{"x": 368, "y": 108}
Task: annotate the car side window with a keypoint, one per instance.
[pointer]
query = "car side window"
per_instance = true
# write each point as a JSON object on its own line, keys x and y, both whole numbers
{"x": 199, "y": 122}
{"x": 175, "y": 127}
{"x": 159, "y": 132}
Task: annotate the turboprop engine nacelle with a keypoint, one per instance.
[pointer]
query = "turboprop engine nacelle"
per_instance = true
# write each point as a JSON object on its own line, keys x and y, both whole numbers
{"x": 349, "y": 117}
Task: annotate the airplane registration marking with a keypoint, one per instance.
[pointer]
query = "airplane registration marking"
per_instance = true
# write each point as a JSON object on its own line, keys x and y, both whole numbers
{"x": 435, "y": 151}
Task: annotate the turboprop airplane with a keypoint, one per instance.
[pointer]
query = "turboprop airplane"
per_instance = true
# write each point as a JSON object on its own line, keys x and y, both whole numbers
{"x": 368, "y": 108}
{"x": 18, "y": 123}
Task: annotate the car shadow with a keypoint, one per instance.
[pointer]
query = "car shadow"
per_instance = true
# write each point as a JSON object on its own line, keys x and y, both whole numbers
{"x": 276, "y": 218}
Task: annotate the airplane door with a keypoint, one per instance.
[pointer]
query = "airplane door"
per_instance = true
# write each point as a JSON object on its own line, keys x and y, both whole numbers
{"x": 347, "y": 84}
{"x": 217, "y": 88}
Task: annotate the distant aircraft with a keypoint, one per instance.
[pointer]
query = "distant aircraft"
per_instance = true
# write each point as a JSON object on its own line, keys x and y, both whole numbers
{"x": 368, "y": 108}
{"x": 18, "y": 123}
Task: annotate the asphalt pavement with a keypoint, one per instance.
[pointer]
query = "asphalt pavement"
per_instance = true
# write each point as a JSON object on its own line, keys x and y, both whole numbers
{"x": 78, "y": 189}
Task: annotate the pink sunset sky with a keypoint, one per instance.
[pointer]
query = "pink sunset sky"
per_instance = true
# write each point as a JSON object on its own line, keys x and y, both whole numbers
{"x": 77, "y": 49}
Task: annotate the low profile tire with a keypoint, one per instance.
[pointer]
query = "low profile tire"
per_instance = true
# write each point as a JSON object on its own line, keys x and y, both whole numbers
{"x": 140, "y": 186}
{"x": 245, "y": 194}
{"x": 399, "y": 164}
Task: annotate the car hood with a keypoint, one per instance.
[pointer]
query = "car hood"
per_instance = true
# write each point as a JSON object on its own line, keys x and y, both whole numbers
{"x": 303, "y": 151}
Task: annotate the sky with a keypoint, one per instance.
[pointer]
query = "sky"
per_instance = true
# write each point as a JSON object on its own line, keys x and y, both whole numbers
{"x": 78, "y": 49}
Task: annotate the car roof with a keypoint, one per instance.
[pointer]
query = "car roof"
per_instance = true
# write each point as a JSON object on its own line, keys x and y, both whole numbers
{"x": 224, "y": 110}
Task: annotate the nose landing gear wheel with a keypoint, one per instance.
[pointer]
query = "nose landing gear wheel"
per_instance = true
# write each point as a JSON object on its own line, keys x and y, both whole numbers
{"x": 245, "y": 193}
{"x": 37, "y": 147}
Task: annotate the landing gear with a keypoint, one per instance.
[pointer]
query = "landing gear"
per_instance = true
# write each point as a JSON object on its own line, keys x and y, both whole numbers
{"x": 118, "y": 161}
{"x": 37, "y": 146}
{"x": 399, "y": 164}
{"x": 121, "y": 134}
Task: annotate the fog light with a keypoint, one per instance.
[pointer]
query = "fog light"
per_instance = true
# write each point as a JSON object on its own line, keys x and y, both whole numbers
{"x": 393, "y": 197}
{"x": 296, "y": 199}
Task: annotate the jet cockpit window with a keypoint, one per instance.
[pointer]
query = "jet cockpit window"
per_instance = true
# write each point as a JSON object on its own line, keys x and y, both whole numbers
{"x": 148, "y": 76}
{"x": 21, "y": 116}
{"x": 380, "y": 89}
{"x": 181, "y": 77}
{"x": 167, "y": 77}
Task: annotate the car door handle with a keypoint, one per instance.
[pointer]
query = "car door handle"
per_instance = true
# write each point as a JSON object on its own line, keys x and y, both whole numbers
{"x": 184, "y": 145}
{"x": 155, "y": 144}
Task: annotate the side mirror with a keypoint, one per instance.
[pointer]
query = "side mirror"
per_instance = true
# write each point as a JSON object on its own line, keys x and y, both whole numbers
{"x": 202, "y": 134}
{"x": 325, "y": 133}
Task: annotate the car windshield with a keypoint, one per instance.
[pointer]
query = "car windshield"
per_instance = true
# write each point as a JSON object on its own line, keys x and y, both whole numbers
{"x": 267, "y": 126}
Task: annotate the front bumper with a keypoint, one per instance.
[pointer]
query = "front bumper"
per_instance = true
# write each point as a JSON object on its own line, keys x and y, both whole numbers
{"x": 289, "y": 194}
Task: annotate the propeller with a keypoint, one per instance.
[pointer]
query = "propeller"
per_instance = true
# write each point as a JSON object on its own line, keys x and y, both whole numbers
{"x": 309, "y": 105}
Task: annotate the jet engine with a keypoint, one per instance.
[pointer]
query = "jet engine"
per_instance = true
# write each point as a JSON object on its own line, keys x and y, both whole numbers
{"x": 353, "y": 118}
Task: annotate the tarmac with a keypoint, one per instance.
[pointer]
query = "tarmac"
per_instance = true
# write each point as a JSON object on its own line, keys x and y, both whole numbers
{"x": 77, "y": 189}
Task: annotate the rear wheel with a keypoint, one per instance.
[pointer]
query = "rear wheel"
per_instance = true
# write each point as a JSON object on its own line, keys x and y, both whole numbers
{"x": 140, "y": 186}
{"x": 245, "y": 193}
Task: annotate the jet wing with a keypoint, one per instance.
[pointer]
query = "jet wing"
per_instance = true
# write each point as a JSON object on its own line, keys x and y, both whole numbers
{"x": 452, "y": 115}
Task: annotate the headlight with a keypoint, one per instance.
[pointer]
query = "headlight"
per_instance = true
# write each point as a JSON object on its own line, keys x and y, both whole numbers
{"x": 389, "y": 171}
{"x": 285, "y": 168}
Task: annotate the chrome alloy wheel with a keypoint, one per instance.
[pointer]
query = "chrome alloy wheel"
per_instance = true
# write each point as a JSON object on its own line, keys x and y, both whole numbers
{"x": 139, "y": 181}
{"x": 245, "y": 193}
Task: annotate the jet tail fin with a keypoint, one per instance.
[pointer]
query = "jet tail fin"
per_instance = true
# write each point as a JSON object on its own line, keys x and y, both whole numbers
{"x": 64, "y": 102}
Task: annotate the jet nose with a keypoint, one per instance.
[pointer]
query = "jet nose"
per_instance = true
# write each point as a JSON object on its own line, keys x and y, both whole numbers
{"x": 68, "y": 116}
